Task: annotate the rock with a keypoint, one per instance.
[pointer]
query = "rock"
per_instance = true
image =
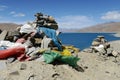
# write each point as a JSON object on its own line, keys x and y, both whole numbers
{"x": 23, "y": 66}
{"x": 31, "y": 77}
{"x": 118, "y": 59}
{"x": 100, "y": 49}
{"x": 95, "y": 43}
{"x": 55, "y": 75}
{"x": 3, "y": 35}
{"x": 11, "y": 59}
{"x": 115, "y": 53}
{"x": 80, "y": 69}
{"x": 13, "y": 72}
{"x": 109, "y": 50}
{"x": 107, "y": 72}
{"x": 3, "y": 65}
{"x": 88, "y": 50}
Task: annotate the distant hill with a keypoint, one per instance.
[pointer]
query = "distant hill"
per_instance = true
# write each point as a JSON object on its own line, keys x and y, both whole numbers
{"x": 67, "y": 30}
{"x": 8, "y": 26}
{"x": 105, "y": 27}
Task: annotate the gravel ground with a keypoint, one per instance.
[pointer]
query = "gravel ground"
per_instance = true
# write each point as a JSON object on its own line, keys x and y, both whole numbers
{"x": 95, "y": 68}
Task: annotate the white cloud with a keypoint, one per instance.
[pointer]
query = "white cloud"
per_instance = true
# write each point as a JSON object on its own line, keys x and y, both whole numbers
{"x": 2, "y": 7}
{"x": 76, "y": 21}
{"x": 111, "y": 15}
{"x": 19, "y": 15}
{"x": 14, "y": 14}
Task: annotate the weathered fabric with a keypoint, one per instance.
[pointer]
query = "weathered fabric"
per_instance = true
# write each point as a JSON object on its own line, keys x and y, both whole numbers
{"x": 51, "y": 33}
{"x": 51, "y": 56}
{"x": 45, "y": 42}
{"x": 26, "y": 28}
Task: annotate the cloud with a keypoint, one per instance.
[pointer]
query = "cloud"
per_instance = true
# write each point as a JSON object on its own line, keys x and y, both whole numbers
{"x": 75, "y": 21}
{"x": 111, "y": 15}
{"x": 19, "y": 15}
{"x": 14, "y": 14}
{"x": 2, "y": 7}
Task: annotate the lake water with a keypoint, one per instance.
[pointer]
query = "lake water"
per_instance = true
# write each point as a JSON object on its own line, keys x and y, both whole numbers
{"x": 84, "y": 40}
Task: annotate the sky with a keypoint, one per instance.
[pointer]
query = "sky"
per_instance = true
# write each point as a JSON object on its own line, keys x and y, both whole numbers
{"x": 68, "y": 13}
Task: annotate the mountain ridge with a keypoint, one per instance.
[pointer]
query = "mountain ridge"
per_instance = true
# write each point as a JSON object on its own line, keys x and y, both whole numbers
{"x": 9, "y": 26}
{"x": 103, "y": 27}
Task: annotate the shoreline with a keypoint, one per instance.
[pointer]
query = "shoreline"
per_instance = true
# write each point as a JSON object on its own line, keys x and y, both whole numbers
{"x": 117, "y": 35}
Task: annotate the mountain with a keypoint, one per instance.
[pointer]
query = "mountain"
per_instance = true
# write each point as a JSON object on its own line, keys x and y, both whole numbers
{"x": 105, "y": 27}
{"x": 8, "y": 26}
{"x": 67, "y": 30}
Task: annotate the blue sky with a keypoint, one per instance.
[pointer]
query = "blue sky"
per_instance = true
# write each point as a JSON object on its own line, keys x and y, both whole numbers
{"x": 68, "y": 13}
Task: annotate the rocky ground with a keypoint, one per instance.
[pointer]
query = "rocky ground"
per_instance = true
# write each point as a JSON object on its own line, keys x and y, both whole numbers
{"x": 95, "y": 68}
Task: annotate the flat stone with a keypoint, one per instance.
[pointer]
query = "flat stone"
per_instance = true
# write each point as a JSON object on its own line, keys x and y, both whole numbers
{"x": 3, "y": 65}
{"x": 3, "y": 35}
{"x": 13, "y": 72}
{"x": 23, "y": 66}
{"x": 11, "y": 59}
{"x": 115, "y": 53}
